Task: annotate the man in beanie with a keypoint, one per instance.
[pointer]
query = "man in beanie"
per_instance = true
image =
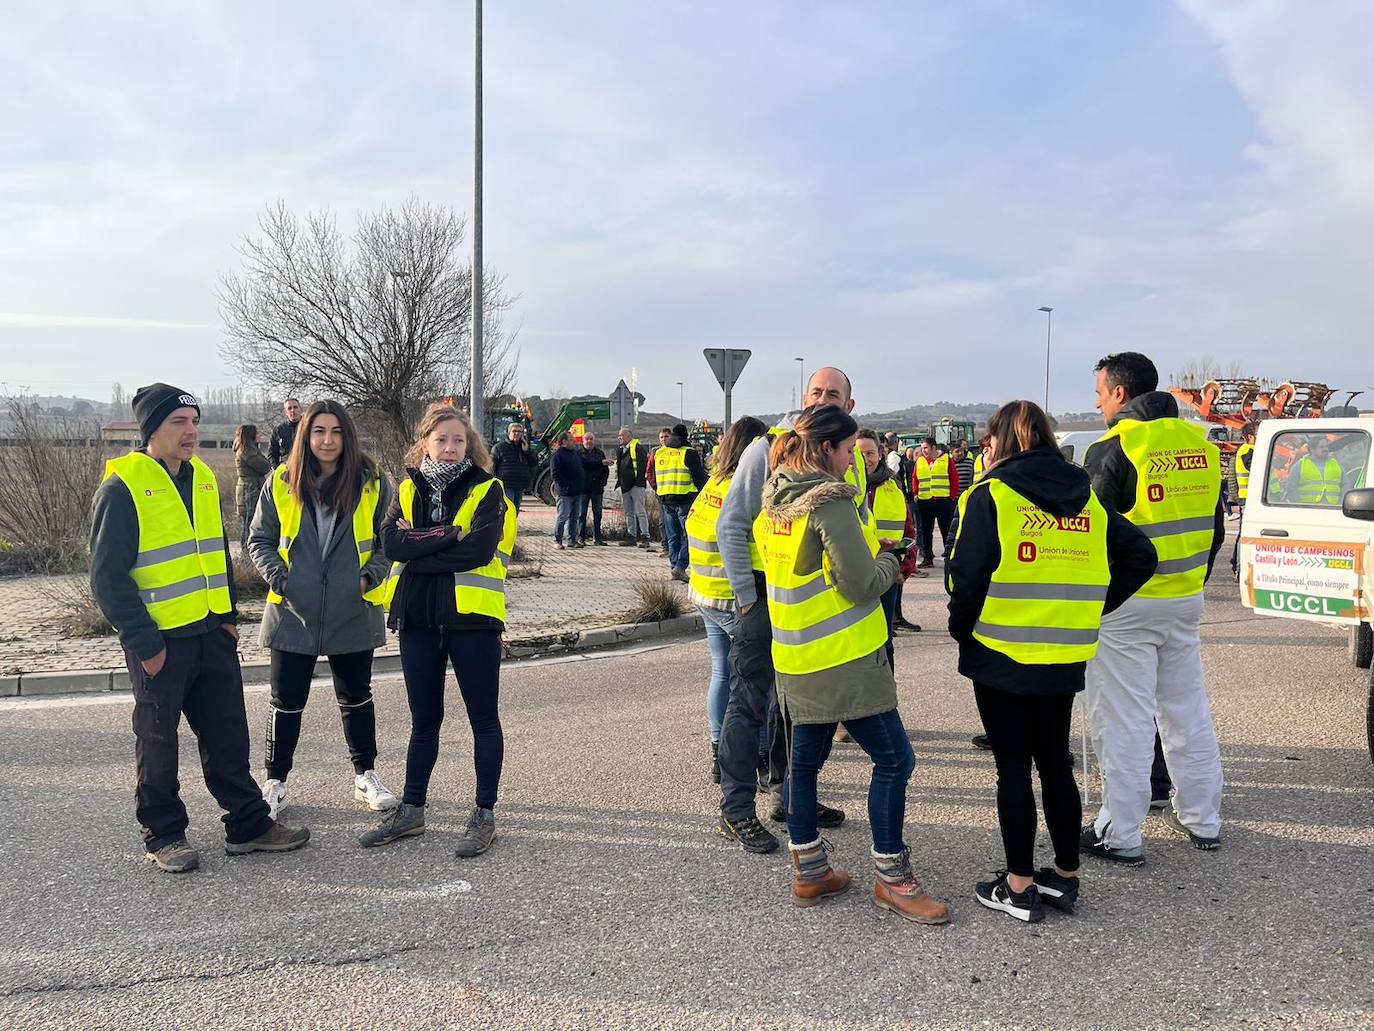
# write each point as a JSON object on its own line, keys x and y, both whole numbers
{"x": 678, "y": 476}
{"x": 161, "y": 573}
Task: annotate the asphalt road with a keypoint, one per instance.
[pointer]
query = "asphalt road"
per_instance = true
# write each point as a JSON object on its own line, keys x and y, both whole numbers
{"x": 608, "y": 901}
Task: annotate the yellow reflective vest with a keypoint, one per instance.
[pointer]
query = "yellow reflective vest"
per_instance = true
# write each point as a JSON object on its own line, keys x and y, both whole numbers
{"x": 1178, "y": 483}
{"x": 481, "y": 591}
{"x": 671, "y": 475}
{"x": 1243, "y": 456}
{"x": 1044, "y": 602}
{"x": 1319, "y": 485}
{"x": 181, "y": 571}
{"x": 815, "y": 627}
{"x": 932, "y": 478}
{"x": 889, "y": 511}
{"x": 707, "y": 573}
{"x": 979, "y": 467}
{"x": 364, "y": 524}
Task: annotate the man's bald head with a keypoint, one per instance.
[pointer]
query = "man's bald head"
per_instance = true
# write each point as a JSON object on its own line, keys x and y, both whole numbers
{"x": 829, "y": 386}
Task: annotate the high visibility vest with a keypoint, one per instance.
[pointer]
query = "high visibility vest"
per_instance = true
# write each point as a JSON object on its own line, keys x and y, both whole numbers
{"x": 671, "y": 475}
{"x": 1243, "y": 454}
{"x": 707, "y": 572}
{"x": 889, "y": 511}
{"x": 634, "y": 447}
{"x": 932, "y": 478}
{"x": 815, "y": 627}
{"x": 181, "y": 571}
{"x": 1318, "y": 485}
{"x": 856, "y": 476}
{"x": 1044, "y": 602}
{"x": 364, "y": 536}
{"x": 480, "y": 591}
{"x": 1178, "y": 482}
{"x": 979, "y": 467}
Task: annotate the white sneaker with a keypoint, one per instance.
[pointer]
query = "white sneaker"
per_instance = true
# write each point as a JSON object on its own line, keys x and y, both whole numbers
{"x": 274, "y": 794}
{"x": 368, "y": 787}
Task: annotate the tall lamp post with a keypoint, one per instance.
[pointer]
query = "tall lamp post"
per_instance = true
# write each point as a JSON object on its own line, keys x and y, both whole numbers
{"x": 681, "y": 402}
{"x": 475, "y": 395}
{"x": 1048, "y": 317}
{"x": 801, "y": 382}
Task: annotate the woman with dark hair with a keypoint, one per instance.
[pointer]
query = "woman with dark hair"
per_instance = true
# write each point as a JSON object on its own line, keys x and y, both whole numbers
{"x": 1036, "y": 563}
{"x": 707, "y": 584}
{"x": 892, "y": 523}
{"x": 252, "y": 468}
{"x": 316, "y": 540}
{"x": 450, "y": 534}
{"x": 825, "y": 577}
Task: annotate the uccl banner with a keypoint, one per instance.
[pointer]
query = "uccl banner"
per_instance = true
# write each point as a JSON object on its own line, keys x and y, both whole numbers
{"x": 1317, "y": 580}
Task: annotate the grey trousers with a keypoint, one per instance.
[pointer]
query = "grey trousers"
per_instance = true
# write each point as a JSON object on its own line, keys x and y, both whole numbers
{"x": 636, "y": 513}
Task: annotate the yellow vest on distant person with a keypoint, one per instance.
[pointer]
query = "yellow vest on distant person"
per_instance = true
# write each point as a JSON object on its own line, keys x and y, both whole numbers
{"x": 932, "y": 478}
{"x": 672, "y": 478}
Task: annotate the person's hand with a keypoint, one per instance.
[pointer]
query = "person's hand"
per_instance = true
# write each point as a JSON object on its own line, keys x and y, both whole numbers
{"x": 744, "y": 609}
{"x": 362, "y": 585}
{"x": 154, "y": 665}
{"x": 403, "y": 524}
{"x": 231, "y": 629}
{"x": 886, "y": 546}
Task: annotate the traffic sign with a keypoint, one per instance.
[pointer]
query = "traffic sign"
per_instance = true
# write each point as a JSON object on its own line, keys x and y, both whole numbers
{"x": 727, "y": 363}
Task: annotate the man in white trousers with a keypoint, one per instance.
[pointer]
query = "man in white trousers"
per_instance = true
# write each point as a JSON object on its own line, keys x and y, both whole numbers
{"x": 1162, "y": 474}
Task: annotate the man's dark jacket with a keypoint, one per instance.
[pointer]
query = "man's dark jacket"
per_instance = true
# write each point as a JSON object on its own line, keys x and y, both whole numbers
{"x": 566, "y": 466}
{"x": 631, "y": 470}
{"x": 595, "y": 472}
{"x": 513, "y": 465}
{"x": 279, "y": 447}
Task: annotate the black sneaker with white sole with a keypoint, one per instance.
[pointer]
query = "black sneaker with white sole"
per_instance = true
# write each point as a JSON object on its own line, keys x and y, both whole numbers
{"x": 1056, "y": 891}
{"x": 1200, "y": 842}
{"x": 749, "y": 834}
{"x": 1023, "y": 905}
{"x": 1095, "y": 844}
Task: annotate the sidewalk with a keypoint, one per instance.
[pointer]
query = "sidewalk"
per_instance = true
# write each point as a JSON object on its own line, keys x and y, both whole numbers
{"x": 576, "y": 590}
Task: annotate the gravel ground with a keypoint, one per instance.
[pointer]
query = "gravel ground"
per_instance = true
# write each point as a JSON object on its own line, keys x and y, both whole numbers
{"x": 608, "y": 901}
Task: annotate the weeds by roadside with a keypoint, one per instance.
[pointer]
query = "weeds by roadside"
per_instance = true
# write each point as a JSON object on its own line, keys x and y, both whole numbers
{"x": 657, "y": 600}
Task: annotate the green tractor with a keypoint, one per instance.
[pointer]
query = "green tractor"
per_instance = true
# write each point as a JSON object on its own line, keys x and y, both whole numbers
{"x": 543, "y": 442}
{"x": 945, "y": 432}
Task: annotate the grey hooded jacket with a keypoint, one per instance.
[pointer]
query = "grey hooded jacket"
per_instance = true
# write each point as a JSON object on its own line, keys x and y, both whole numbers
{"x": 323, "y": 611}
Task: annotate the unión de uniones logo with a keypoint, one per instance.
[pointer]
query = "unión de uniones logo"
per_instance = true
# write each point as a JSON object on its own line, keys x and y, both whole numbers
{"x": 1155, "y": 492}
{"x": 1025, "y": 552}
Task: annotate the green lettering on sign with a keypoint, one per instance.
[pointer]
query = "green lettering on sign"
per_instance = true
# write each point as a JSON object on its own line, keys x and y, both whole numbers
{"x": 1305, "y": 604}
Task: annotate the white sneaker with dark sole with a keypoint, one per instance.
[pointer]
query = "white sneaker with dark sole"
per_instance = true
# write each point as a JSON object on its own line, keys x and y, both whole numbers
{"x": 369, "y": 789}
{"x": 274, "y": 794}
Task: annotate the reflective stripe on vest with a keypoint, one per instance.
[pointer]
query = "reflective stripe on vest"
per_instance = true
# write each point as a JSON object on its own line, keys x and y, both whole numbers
{"x": 671, "y": 475}
{"x": 480, "y": 591}
{"x": 889, "y": 511}
{"x": 289, "y": 513}
{"x": 707, "y": 567}
{"x": 1317, "y": 485}
{"x": 1243, "y": 455}
{"x": 1044, "y": 602}
{"x": 1178, "y": 482}
{"x": 932, "y": 478}
{"x": 181, "y": 570}
{"x": 815, "y": 627}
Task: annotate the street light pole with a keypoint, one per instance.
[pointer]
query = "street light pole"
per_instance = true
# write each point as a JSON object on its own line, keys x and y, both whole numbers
{"x": 681, "y": 402}
{"x": 801, "y": 381}
{"x": 1048, "y": 316}
{"x": 476, "y": 390}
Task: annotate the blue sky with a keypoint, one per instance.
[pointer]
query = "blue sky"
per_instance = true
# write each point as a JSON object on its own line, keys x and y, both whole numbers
{"x": 893, "y": 188}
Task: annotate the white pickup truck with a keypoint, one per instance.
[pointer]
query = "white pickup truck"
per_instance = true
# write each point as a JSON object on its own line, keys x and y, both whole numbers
{"x": 1307, "y": 535}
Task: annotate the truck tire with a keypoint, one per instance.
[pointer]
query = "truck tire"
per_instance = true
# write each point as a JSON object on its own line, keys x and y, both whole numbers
{"x": 543, "y": 486}
{"x": 1362, "y": 645}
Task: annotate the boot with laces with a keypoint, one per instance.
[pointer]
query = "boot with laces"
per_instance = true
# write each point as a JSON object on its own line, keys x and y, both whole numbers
{"x": 175, "y": 857}
{"x": 276, "y": 838}
{"x": 751, "y": 835}
{"x": 402, "y": 822}
{"x": 898, "y": 890}
{"x": 480, "y": 833}
{"x": 813, "y": 877}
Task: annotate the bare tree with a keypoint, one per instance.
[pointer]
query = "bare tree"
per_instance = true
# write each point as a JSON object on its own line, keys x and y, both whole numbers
{"x": 381, "y": 323}
{"x": 1197, "y": 371}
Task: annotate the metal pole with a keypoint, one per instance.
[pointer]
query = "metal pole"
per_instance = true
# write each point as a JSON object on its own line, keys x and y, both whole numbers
{"x": 477, "y": 391}
{"x": 801, "y": 381}
{"x": 727, "y": 407}
{"x": 681, "y": 401}
{"x": 1049, "y": 317}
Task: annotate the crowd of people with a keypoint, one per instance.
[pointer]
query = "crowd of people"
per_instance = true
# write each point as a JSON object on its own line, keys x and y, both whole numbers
{"x": 794, "y": 540}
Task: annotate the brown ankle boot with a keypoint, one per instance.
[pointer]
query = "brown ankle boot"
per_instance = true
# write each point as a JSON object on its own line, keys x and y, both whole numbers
{"x": 813, "y": 878}
{"x": 898, "y": 890}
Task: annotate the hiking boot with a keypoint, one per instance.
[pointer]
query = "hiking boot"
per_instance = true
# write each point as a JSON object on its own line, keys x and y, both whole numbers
{"x": 906, "y": 624}
{"x": 981, "y": 741}
{"x": 813, "y": 878}
{"x": 274, "y": 794}
{"x": 480, "y": 833}
{"x": 646, "y": 545}
{"x": 601, "y": 544}
{"x": 1096, "y": 845}
{"x": 402, "y": 822}
{"x": 680, "y": 575}
{"x": 1202, "y": 844}
{"x": 898, "y": 891}
{"x": 826, "y": 817}
{"x": 368, "y": 787}
{"x": 715, "y": 762}
{"x": 175, "y": 857}
{"x": 997, "y": 894}
{"x": 275, "y": 839}
{"x": 762, "y": 768}
{"x": 751, "y": 835}
{"x": 627, "y": 543}
{"x": 1056, "y": 891}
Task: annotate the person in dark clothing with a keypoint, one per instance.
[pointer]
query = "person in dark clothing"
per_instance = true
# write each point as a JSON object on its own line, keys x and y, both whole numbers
{"x": 450, "y": 532}
{"x": 631, "y": 471}
{"x": 284, "y": 436}
{"x": 163, "y": 582}
{"x": 513, "y": 464}
{"x": 1028, "y": 588}
{"x": 252, "y": 469}
{"x": 884, "y": 502}
{"x": 676, "y": 501}
{"x": 565, "y": 465}
{"x": 595, "y": 473}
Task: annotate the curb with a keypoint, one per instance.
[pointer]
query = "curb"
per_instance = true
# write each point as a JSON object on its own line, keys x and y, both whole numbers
{"x": 97, "y": 681}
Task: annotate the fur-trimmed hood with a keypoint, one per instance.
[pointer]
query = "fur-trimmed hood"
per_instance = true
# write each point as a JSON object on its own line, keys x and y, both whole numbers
{"x": 790, "y": 494}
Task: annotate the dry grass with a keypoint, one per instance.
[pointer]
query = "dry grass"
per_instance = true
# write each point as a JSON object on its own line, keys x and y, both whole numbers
{"x": 247, "y": 581}
{"x": 525, "y": 564}
{"x": 658, "y": 600}
{"x": 81, "y": 615}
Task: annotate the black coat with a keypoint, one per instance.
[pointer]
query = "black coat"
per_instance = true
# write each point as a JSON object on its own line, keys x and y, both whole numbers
{"x": 513, "y": 465}
{"x": 631, "y": 470}
{"x": 595, "y": 472}
{"x": 279, "y": 447}
{"x": 568, "y": 477}
{"x": 1044, "y": 477}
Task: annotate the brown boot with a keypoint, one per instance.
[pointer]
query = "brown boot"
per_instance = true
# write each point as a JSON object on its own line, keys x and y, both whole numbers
{"x": 898, "y": 890}
{"x": 813, "y": 878}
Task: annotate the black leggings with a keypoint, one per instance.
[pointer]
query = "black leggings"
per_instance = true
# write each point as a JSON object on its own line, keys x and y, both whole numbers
{"x": 476, "y": 658}
{"x": 1021, "y": 728}
{"x": 291, "y": 675}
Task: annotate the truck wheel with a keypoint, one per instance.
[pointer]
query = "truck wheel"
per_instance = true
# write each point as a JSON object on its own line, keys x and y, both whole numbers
{"x": 543, "y": 486}
{"x": 1362, "y": 645}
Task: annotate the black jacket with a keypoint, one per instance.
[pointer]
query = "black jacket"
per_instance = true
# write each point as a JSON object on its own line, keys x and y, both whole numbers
{"x": 513, "y": 465}
{"x": 433, "y": 552}
{"x": 694, "y": 467}
{"x": 1113, "y": 476}
{"x": 566, "y": 466}
{"x": 114, "y": 549}
{"x": 595, "y": 472}
{"x": 279, "y": 447}
{"x": 1044, "y": 477}
{"x": 631, "y": 470}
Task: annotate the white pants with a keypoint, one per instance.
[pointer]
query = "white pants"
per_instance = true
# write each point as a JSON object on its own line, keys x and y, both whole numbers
{"x": 1148, "y": 670}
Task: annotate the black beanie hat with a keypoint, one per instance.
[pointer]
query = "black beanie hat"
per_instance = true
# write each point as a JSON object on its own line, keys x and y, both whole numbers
{"x": 680, "y": 431}
{"x": 156, "y": 401}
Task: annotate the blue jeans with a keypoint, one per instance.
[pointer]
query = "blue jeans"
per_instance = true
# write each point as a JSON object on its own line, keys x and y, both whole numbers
{"x": 884, "y": 739}
{"x": 675, "y": 535}
{"x": 513, "y": 496}
{"x": 569, "y": 515}
{"x": 720, "y": 626}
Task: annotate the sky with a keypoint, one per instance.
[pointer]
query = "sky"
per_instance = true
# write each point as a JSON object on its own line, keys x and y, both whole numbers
{"x": 893, "y": 188}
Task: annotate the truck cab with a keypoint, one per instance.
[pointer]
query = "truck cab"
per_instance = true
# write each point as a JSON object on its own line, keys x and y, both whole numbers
{"x": 1307, "y": 533}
